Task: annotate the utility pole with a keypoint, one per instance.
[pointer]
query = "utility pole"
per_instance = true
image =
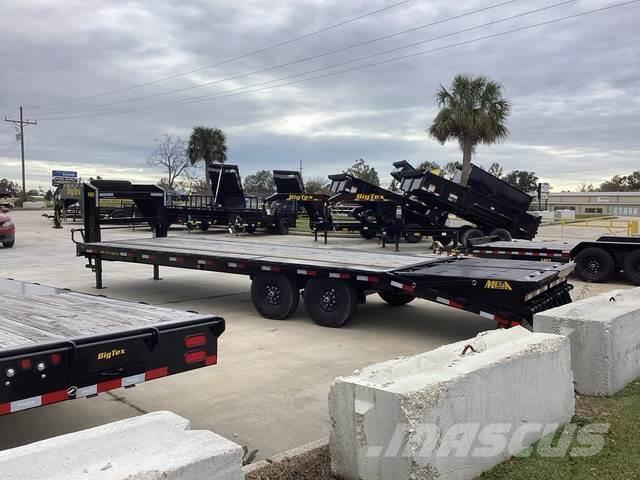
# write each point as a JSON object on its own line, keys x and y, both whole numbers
{"x": 21, "y": 123}
{"x": 300, "y": 167}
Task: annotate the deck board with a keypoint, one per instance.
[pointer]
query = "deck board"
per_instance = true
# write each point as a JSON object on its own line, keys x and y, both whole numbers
{"x": 269, "y": 252}
{"x": 33, "y": 315}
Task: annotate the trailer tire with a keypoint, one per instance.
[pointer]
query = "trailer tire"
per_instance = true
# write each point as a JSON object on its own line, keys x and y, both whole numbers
{"x": 396, "y": 298}
{"x": 503, "y": 234}
{"x": 330, "y": 302}
{"x": 275, "y": 295}
{"x": 469, "y": 234}
{"x": 367, "y": 234}
{"x": 250, "y": 229}
{"x": 8, "y": 244}
{"x": 412, "y": 237}
{"x": 594, "y": 264}
{"x": 204, "y": 226}
{"x": 283, "y": 227}
{"x": 631, "y": 267}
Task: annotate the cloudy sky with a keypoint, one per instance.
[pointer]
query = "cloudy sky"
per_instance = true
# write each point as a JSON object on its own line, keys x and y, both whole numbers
{"x": 574, "y": 84}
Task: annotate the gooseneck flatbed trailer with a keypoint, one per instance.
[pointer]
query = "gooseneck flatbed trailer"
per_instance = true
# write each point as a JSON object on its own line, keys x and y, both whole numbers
{"x": 334, "y": 281}
{"x": 58, "y": 345}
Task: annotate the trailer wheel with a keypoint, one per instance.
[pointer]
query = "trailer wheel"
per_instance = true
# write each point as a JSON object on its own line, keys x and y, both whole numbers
{"x": 396, "y": 298}
{"x": 502, "y": 234}
{"x": 594, "y": 264}
{"x": 367, "y": 233}
{"x": 250, "y": 229}
{"x": 283, "y": 227}
{"x": 631, "y": 267}
{"x": 274, "y": 295}
{"x": 204, "y": 226}
{"x": 330, "y": 302}
{"x": 8, "y": 244}
{"x": 412, "y": 237}
{"x": 469, "y": 234}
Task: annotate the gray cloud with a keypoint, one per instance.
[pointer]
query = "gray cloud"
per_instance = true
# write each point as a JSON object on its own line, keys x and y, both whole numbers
{"x": 574, "y": 85}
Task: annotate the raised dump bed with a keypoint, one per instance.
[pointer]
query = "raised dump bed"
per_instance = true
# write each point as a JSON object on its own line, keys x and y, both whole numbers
{"x": 494, "y": 207}
{"x": 389, "y": 213}
{"x": 58, "y": 345}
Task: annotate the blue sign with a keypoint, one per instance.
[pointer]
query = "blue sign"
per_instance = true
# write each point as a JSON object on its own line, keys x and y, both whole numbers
{"x": 64, "y": 174}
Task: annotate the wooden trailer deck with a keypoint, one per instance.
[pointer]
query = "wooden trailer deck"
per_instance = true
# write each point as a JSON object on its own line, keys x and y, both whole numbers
{"x": 34, "y": 314}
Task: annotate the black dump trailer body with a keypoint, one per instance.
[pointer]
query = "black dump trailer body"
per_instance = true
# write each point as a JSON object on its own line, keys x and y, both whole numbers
{"x": 496, "y": 208}
{"x": 596, "y": 261}
{"x": 230, "y": 206}
{"x": 386, "y": 212}
{"x": 58, "y": 345}
{"x": 290, "y": 189}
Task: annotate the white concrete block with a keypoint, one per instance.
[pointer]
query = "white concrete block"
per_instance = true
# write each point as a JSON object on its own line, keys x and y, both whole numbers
{"x": 154, "y": 446}
{"x": 604, "y": 332}
{"x": 433, "y": 415}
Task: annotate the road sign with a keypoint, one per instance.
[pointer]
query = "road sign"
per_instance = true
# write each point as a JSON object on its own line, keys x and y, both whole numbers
{"x": 61, "y": 177}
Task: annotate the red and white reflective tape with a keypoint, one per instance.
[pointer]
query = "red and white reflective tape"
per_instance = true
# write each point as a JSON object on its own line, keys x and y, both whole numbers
{"x": 268, "y": 268}
{"x": 88, "y": 250}
{"x": 123, "y": 254}
{"x": 235, "y": 265}
{"x": 343, "y": 276}
{"x": 451, "y": 303}
{"x": 176, "y": 259}
{"x": 61, "y": 395}
{"x": 402, "y": 286}
{"x": 147, "y": 257}
{"x": 367, "y": 278}
{"x": 203, "y": 261}
{"x": 311, "y": 273}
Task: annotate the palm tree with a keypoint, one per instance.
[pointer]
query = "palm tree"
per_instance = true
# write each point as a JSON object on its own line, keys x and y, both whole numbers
{"x": 472, "y": 111}
{"x": 208, "y": 145}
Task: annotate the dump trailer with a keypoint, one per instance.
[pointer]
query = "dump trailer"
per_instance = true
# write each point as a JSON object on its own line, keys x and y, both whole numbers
{"x": 230, "y": 206}
{"x": 497, "y": 209}
{"x": 335, "y": 281}
{"x": 388, "y": 213}
{"x": 290, "y": 189}
{"x": 58, "y": 345}
{"x": 596, "y": 261}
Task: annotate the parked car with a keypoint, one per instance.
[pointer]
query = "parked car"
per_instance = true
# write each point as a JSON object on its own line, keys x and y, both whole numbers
{"x": 7, "y": 229}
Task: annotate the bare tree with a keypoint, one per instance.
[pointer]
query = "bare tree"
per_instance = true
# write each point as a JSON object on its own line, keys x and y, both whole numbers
{"x": 170, "y": 153}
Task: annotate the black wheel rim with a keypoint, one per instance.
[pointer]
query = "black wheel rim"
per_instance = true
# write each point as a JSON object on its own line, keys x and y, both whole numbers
{"x": 593, "y": 266}
{"x": 327, "y": 300}
{"x": 271, "y": 294}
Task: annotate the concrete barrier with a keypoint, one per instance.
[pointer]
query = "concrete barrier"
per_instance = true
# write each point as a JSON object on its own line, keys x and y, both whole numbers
{"x": 154, "y": 446}
{"x": 449, "y": 415}
{"x": 604, "y": 332}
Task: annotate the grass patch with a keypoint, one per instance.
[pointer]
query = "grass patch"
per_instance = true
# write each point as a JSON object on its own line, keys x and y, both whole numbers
{"x": 619, "y": 459}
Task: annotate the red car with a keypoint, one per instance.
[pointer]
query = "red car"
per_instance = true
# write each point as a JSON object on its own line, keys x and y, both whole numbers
{"x": 7, "y": 229}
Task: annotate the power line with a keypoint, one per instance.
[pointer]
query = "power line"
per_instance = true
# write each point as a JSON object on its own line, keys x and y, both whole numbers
{"x": 196, "y": 99}
{"x": 369, "y": 65}
{"x": 232, "y": 59}
{"x": 301, "y": 60}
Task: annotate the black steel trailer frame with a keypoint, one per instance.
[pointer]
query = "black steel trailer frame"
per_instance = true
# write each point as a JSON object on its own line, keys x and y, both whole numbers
{"x": 495, "y": 208}
{"x": 596, "y": 261}
{"x": 42, "y": 363}
{"x": 335, "y": 281}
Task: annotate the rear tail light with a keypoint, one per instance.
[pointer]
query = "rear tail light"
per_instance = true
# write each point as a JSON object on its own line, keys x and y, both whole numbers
{"x": 25, "y": 364}
{"x": 195, "y": 341}
{"x": 55, "y": 358}
{"x": 195, "y": 357}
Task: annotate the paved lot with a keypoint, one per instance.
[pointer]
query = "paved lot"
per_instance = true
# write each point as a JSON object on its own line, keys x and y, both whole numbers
{"x": 270, "y": 388}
